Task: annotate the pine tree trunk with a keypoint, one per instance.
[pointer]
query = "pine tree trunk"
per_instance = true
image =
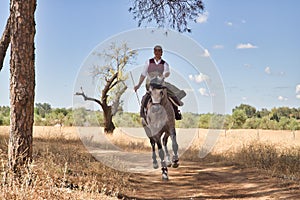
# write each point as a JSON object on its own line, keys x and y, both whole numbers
{"x": 22, "y": 82}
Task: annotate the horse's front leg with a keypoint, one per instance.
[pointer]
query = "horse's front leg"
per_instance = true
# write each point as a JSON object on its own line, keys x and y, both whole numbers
{"x": 175, "y": 158}
{"x": 161, "y": 154}
{"x": 165, "y": 142}
{"x": 155, "y": 164}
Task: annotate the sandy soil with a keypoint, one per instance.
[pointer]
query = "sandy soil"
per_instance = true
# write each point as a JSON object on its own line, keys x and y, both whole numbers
{"x": 212, "y": 181}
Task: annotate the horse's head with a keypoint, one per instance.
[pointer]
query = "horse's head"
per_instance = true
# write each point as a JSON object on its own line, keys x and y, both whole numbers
{"x": 157, "y": 91}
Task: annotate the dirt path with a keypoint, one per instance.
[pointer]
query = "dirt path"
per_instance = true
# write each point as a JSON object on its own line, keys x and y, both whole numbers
{"x": 211, "y": 181}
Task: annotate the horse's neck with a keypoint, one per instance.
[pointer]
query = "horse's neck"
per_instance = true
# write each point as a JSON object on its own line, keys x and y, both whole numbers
{"x": 165, "y": 101}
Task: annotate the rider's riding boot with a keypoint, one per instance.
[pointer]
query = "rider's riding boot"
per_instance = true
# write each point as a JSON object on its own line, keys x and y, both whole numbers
{"x": 178, "y": 115}
{"x": 177, "y": 112}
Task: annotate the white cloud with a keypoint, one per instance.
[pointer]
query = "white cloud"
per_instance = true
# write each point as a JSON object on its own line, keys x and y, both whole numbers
{"x": 202, "y": 18}
{"x": 203, "y": 92}
{"x": 243, "y": 21}
{"x": 281, "y": 98}
{"x": 298, "y": 88}
{"x": 298, "y": 96}
{"x": 268, "y": 70}
{"x": 218, "y": 46}
{"x": 246, "y": 46}
{"x": 244, "y": 98}
{"x": 205, "y": 53}
{"x": 199, "y": 78}
{"x": 229, "y": 23}
{"x": 281, "y": 73}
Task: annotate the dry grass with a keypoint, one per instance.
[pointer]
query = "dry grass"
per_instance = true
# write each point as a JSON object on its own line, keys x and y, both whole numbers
{"x": 278, "y": 152}
{"x": 235, "y": 140}
{"x": 280, "y": 162}
{"x": 62, "y": 169}
{"x": 128, "y": 143}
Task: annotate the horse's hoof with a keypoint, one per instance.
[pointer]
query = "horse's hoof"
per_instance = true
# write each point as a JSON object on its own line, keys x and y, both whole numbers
{"x": 175, "y": 165}
{"x": 164, "y": 174}
{"x": 155, "y": 165}
{"x": 165, "y": 177}
{"x": 175, "y": 161}
{"x": 169, "y": 164}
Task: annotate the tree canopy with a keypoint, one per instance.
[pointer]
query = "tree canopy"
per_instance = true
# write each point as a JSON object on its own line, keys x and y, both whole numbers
{"x": 288, "y": 120}
{"x": 167, "y": 13}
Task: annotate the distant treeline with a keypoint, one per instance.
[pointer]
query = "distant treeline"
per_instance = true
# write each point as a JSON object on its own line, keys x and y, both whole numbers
{"x": 243, "y": 116}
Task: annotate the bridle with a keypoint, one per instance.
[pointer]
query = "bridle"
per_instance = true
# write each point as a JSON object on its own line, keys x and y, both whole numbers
{"x": 161, "y": 93}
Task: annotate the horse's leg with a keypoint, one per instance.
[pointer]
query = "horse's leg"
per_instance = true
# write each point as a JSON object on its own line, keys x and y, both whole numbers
{"x": 175, "y": 158}
{"x": 155, "y": 164}
{"x": 165, "y": 142}
{"x": 161, "y": 154}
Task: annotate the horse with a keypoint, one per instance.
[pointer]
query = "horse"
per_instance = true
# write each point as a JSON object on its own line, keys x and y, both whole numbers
{"x": 160, "y": 118}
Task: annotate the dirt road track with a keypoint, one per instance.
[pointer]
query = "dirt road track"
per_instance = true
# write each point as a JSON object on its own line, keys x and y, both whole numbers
{"x": 212, "y": 181}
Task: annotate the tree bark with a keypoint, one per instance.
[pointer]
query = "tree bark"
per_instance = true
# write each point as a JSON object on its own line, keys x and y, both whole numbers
{"x": 22, "y": 82}
{"x": 109, "y": 126}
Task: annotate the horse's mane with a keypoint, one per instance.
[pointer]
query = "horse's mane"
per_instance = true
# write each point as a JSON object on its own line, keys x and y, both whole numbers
{"x": 165, "y": 99}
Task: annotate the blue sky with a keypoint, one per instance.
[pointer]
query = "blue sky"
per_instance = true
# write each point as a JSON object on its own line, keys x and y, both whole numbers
{"x": 254, "y": 44}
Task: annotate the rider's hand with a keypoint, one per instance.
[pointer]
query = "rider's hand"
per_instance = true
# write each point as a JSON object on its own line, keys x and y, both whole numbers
{"x": 136, "y": 88}
{"x": 161, "y": 78}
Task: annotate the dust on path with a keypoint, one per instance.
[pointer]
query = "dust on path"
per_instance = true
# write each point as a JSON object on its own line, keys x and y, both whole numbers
{"x": 194, "y": 180}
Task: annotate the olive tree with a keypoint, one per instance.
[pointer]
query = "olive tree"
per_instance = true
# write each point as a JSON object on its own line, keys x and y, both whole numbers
{"x": 111, "y": 77}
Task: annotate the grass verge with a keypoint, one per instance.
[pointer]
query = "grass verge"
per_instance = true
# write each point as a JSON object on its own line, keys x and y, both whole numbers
{"x": 62, "y": 169}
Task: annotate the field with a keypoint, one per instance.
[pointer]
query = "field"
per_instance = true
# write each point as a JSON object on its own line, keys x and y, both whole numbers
{"x": 70, "y": 163}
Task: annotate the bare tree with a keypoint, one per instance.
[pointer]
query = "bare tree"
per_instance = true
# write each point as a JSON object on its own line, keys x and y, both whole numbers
{"x": 19, "y": 33}
{"x": 111, "y": 76}
{"x": 172, "y": 13}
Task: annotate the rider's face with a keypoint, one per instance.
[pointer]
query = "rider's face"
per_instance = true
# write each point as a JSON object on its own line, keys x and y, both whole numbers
{"x": 158, "y": 53}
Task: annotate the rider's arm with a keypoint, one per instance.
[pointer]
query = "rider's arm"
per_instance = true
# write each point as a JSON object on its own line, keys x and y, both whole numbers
{"x": 142, "y": 78}
{"x": 166, "y": 70}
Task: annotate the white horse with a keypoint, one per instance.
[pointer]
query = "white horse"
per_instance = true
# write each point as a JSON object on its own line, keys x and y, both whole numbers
{"x": 160, "y": 118}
